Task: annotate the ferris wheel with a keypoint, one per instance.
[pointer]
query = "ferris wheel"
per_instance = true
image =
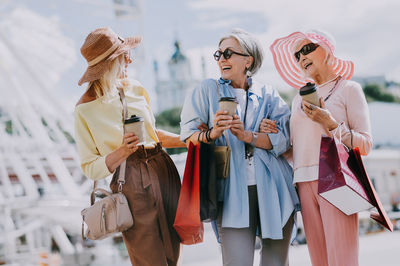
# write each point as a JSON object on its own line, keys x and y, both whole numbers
{"x": 42, "y": 188}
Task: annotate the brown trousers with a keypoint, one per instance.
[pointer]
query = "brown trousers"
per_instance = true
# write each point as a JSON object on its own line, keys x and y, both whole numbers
{"x": 152, "y": 189}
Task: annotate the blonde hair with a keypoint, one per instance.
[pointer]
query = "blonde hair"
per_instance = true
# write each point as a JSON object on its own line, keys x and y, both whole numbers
{"x": 107, "y": 85}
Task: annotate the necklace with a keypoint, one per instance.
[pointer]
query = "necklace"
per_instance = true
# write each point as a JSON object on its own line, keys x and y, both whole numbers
{"x": 323, "y": 84}
{"x": 334, "y": 86}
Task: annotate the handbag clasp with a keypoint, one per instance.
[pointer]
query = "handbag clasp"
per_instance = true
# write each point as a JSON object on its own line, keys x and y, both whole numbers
{"x": 120, "y": 185}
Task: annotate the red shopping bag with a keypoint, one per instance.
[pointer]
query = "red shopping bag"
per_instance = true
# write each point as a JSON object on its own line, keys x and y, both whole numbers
{"x": 187, "y": 220}
{"x": 336, "y": 182}
{"x": 357, "y": 166}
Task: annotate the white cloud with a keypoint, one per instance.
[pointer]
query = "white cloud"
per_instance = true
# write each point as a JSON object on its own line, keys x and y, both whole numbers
{"x": 218, "y": 23}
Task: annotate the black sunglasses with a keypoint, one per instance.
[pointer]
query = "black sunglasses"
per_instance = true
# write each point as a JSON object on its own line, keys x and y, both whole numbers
{"x": 305, "y": 50}
{"x": 227, "y": 54}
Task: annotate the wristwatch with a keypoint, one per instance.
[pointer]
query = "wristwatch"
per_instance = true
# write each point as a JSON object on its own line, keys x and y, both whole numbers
{"x": 254, "y": 139}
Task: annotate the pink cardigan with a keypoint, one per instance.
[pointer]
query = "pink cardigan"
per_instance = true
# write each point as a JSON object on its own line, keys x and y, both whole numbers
{"x": 348, "y": 106}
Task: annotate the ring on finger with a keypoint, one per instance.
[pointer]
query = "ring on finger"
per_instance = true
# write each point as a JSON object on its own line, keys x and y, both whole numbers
{"x": 217, "y": 123}
{"x": 311, "y": 107}
{"x": 310, "y": 112}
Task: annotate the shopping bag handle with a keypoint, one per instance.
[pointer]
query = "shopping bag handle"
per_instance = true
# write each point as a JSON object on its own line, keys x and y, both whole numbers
{"x": 340, "y": 136}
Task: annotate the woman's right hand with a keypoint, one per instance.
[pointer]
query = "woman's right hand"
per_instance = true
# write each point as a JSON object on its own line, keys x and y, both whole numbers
{"x": 129, "y": 146}
{"x": 268, "y": 126}
{"x": 222, "y": 121}
{"x": 129, "y": 143}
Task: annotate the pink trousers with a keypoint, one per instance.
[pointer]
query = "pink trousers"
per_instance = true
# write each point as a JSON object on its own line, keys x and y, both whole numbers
{"x": 332, "y": 236}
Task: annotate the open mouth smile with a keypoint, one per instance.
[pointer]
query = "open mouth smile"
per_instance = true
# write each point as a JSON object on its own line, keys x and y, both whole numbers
{"x": 307, "y": 65}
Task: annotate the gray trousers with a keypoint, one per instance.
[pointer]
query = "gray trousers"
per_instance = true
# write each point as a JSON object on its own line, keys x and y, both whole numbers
{"x": 238, "y": 244}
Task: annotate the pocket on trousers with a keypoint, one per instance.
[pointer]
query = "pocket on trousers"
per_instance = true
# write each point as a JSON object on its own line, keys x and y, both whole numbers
{"x": 135, "y": 175}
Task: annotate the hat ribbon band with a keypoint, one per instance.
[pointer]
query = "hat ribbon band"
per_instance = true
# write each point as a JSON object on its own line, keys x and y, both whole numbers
{"x": 104, "y": 55}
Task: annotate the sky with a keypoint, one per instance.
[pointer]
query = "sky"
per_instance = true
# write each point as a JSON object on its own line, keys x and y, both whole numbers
{"x": 366, "y": 32}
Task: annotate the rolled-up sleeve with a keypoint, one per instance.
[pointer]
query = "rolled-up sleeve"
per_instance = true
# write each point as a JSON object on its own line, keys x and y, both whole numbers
{"x": 92, "y": 163}
{"x": 358, "y": 131}
{"x": 195, "y": 110}
{"x": 280, "y": 112}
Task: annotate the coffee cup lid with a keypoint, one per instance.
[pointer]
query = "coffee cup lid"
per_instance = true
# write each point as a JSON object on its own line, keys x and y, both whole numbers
{"x": 308, "y": 89}
{"x": 134, "y": 119}
{"x": 228, "y": 99}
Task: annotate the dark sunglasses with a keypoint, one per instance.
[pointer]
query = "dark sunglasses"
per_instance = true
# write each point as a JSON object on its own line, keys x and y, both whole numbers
{"x": 305, "y": 50}
{"x": 227, "y": 54}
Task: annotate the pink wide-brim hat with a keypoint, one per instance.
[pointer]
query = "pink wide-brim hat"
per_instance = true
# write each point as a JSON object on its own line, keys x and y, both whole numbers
{"x": 283, "y": 54}
{"x": 100, "y": 48}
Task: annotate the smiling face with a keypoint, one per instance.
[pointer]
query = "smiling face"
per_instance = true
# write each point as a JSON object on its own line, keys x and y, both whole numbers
{"x": 234, "y": 68}
{"x": 312, "y": 63}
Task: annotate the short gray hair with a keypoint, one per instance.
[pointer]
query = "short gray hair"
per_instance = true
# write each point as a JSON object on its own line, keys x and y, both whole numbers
{"x": 250, "y": 45}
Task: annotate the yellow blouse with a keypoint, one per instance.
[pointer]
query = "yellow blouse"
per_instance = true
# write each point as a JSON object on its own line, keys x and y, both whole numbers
{"x": 99, "y": 127}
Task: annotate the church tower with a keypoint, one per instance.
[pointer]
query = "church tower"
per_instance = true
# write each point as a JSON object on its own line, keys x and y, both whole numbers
{"x": 171, "y": 93}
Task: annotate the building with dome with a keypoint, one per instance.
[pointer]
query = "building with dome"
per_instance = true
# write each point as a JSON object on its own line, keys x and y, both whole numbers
{"x": 171, "y": 93}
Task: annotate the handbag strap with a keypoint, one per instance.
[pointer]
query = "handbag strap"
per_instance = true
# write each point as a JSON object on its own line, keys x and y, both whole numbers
{"x": 122, "y": 168}
{"x": 219, "y": 97}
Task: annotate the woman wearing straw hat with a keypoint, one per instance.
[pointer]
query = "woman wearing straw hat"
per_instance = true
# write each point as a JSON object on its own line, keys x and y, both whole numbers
{"x": 332, "y": 236}
{"x": 258, "y": 195}
{"x": 152, "y": 181}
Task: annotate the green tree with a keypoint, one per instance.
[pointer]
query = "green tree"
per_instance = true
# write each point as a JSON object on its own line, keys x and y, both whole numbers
{"x": 169, "y": 120}
{"x": 374, "y": 92}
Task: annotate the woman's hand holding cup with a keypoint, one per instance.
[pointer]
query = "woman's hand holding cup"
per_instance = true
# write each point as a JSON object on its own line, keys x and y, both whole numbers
{"x": 222, "y": 122}
{"x": 129, "y": 143}
{"x": 237, "y": 128}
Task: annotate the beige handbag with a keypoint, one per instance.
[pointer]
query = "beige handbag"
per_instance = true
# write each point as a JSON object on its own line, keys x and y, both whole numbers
{"x": 222, "y": 154}
{"x": 111, "y": 214}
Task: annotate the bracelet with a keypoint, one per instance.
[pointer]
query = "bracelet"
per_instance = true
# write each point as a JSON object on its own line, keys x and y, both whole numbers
{"x": 208, "y": 135}
{"x": 254, "y": 139}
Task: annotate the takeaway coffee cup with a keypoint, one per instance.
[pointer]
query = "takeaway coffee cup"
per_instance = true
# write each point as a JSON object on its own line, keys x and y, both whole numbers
{"x": 309, "y": 93}
{"x": 135, "y": 125}
{"x": 228, "y": 104}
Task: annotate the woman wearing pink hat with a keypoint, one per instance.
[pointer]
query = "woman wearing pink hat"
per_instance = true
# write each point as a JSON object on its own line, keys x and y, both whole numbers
{"x": 332, "y": 236}
{"x": 152, "y": 182}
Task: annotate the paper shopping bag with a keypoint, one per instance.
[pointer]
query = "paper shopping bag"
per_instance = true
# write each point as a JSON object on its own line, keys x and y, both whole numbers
{"x": 208, "y": 183}
{"x": 336, "y": 181}
{"x": 356, "y": 164}
{"x": 187, "y": 220}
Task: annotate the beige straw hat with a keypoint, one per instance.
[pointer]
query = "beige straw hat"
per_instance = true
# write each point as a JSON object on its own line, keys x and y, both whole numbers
{"x": 100, "y": 48}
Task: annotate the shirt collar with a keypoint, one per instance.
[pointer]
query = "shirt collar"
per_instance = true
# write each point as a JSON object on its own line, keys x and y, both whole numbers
{"x": 254, "y": 89}
{"x": 224, "y": 81}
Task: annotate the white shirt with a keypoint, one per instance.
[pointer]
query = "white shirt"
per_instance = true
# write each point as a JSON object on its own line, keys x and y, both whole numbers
{"x": 241, "y": 108}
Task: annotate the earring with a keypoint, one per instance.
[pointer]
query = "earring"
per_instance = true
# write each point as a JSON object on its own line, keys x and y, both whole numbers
{"x": 249, "y": 80}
